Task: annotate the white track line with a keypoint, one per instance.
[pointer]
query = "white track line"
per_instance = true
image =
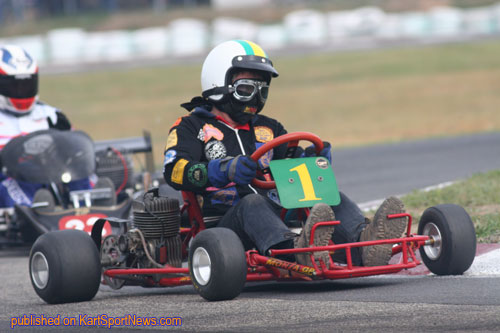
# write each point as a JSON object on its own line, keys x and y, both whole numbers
{"x": 485, "y": 265}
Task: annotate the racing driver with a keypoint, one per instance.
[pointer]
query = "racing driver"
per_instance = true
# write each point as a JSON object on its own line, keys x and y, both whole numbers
{"x": 21, "y": 112}
{"x": 208, "y": 151}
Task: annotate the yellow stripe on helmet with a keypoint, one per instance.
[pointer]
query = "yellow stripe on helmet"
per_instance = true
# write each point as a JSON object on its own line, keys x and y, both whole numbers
{"x": 257, "y": 50}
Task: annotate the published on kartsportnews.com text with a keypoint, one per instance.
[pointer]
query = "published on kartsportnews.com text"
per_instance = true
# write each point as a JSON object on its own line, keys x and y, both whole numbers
{"x": 101, "y": 320}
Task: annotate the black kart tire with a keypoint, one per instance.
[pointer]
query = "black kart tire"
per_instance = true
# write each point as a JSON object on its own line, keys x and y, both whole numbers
{"x": 217, "y": 264}
{"x": 65, "y": 267}
{"x": 454, "y": 248}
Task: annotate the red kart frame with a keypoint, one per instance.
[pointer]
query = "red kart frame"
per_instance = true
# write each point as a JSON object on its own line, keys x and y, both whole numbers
{"x": 266, "y": 268}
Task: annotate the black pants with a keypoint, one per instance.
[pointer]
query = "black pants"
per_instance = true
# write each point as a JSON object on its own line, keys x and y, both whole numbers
{"x": 256, "y": 220}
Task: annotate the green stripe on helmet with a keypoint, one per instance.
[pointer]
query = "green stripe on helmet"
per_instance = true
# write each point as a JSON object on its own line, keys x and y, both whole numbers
{"x": 248, "y": 48}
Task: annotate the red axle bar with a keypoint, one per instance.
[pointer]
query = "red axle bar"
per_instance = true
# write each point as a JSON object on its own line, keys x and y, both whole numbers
{"x": 334, "y": 247}
{"x": 146, "y": 271}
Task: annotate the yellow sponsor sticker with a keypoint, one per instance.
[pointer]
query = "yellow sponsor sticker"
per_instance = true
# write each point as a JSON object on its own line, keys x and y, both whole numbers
{"x": 178, "y": 171}
{"x": 306, "y": 270}
{"x": 263, "y": 134}
{"x": 172, "y": 139}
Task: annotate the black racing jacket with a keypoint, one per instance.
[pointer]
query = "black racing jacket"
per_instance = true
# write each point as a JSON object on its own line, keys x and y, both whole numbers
{"x": 200, "y": 137}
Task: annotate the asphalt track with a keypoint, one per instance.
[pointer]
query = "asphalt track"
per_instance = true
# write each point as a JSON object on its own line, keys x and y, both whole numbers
{"x": 382, "y": 303}
{"x": 411, "y": 301}
{"x": 375, "y": 172}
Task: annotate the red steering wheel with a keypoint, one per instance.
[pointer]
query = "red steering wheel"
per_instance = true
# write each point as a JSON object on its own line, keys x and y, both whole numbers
{"x": 293, "y": 140}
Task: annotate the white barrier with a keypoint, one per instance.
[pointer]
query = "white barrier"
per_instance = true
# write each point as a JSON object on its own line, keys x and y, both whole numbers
{"x": 118, "y": 46}
{"x": 495, "y": 12}
{"x": 390, "y": 28}
{"x": 415, "y": 25}
{"x": 151, "y": 42}
{"x": 238, "y": 4}
{"x": 188, "y": 37}
{"x": 305, "y": 27}
{"x": 271, "y": 37}
{"x": 227, "y": 28}
{"x": 65, "y": 45}
{"x": 478, "y": 21}
{"x": 362, "y": 22}
{"x": 93, "y": 47}
{"x": 191, "y": 37}
{"x": 446, "y": 21}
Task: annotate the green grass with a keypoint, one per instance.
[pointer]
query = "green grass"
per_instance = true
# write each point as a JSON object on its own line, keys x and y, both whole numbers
{"x": 479, "y": 195}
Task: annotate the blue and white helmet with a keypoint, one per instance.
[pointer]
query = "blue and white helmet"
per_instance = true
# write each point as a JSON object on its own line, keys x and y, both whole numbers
{"x": 18, "y": 80}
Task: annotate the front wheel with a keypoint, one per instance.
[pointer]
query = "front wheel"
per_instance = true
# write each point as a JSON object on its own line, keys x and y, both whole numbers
{"x": 452, "y": 237}
{"x": 217, "y": 264}
{"x": 65, "y": 267}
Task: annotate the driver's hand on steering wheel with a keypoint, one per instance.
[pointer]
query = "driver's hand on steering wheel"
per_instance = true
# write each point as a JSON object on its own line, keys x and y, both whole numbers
{"x": 325, "y": 152}
{"x": 240, "y": 169}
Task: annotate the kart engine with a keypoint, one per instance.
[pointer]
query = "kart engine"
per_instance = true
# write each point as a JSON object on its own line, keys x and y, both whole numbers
{"x": 152, "y": 241}
{"x": 156, "y": 225}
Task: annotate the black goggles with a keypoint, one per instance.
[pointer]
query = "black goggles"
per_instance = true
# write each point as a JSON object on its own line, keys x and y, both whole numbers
{"x": 19, "y": 86}
{"x": 244, "y": 90}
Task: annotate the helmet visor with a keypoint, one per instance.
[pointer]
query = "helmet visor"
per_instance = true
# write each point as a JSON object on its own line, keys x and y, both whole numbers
{"x": 245, "y": 89}
{"x": 19, "y": 86}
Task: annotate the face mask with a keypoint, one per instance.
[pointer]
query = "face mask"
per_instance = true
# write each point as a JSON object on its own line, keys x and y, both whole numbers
{"x": 241, "y": 112}
{"x": 246, "y": 98}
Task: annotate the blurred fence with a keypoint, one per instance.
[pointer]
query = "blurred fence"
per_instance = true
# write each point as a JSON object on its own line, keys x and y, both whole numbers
{"x": 298, "y": 29}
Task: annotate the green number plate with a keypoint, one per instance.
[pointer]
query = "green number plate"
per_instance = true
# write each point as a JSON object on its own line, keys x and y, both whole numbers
{"x": 303, "y": 182}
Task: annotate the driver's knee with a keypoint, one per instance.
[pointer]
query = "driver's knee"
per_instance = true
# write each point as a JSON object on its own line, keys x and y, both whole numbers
{"x": 253, "y": 200}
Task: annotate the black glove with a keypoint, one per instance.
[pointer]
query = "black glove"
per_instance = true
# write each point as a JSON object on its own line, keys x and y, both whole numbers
{"x": 62, "y": 122}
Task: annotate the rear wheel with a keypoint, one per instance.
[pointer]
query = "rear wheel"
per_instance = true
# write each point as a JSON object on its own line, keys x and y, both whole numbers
{"x": 64, "y": 267}
{"x": 217, "y": 264}
{"x": 453, "y": 239}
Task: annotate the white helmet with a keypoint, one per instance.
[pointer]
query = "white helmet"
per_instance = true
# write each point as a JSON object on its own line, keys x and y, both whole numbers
{"x": 227, "y": 57}
{"x": 18, "y": 80}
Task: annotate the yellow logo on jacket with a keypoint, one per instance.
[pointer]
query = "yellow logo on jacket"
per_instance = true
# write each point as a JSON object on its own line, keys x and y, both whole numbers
{"x": 178, "y": 171}
{"x": 263, "y": 134}
{"x": 172, "y": 139}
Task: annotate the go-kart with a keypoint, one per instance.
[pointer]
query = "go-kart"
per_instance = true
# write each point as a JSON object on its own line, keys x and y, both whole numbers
{"x": 67, "y": 266}
{"x": 53, "y": 159}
